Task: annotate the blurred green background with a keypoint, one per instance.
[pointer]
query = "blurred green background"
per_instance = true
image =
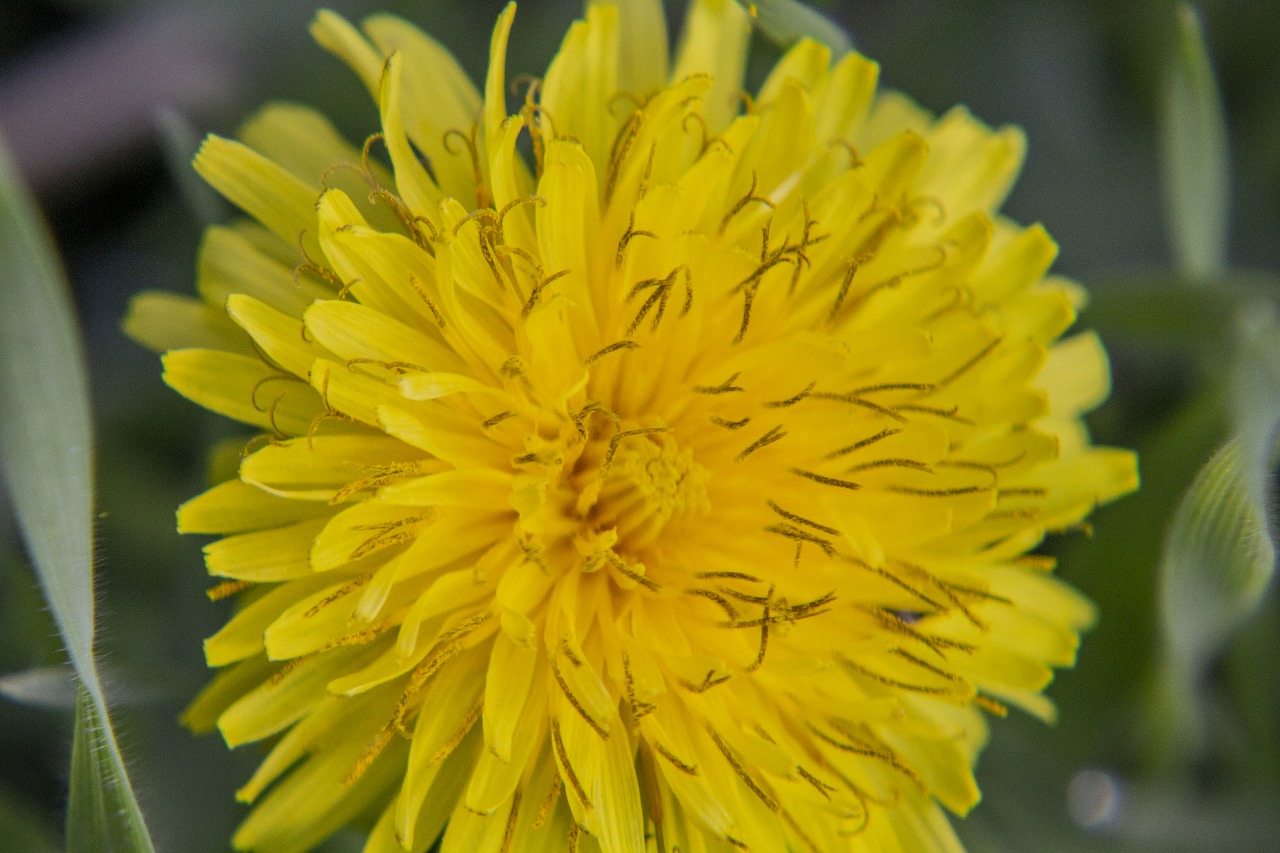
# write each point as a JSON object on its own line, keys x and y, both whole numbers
{"x": 103, "y": 102}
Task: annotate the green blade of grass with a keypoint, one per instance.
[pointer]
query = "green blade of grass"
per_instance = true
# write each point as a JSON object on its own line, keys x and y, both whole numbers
{"x": 46, "y": 438}
{"x": 102, "y": 812}
{"x": 46, "y": 455}
{"x": 179, "y": 142}
{"x": 1194, "y": 142}
{"x": 41, "y": 687}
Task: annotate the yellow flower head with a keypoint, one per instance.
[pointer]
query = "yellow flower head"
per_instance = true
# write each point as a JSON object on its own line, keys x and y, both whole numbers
{"x": 653, "y": 469}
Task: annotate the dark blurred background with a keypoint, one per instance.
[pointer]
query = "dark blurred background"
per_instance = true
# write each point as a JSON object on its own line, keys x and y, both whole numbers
{"x": 104, "y": 101}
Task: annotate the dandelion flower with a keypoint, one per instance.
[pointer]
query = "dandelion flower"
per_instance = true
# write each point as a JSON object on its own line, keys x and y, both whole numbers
{"x": 655, "y": 468}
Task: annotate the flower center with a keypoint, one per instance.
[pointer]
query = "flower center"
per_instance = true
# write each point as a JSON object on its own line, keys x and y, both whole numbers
{"x": 650, "y": 482}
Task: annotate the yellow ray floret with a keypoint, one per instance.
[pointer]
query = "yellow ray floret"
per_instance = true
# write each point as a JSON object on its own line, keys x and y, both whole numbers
{"x": 657, "y": 468}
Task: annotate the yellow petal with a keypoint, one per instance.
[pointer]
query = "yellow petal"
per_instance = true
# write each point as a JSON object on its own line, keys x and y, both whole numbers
{"x": 264, "y": 556}
{"x": 511, "y": 669}
{"x": 642, "y": 53}
{"x": 1017, "y": 265}
{"x": 328, "y": 715}
{"x": 344, "y": 234}
{"x": 278, "y": 335}
{"x": 1076, "y": 376}
{"x": 447, "y": 787}
{"x": 326, "y": 463}
{"x": 444, "y": 433}
{"x": 165, "y": 321}
{"x": 307, "y": 144}
{"x": 312, "y": 801}
{"x": 805, "y": 64}
{"x": 495, "y": 86}
{"x": 434, "y": 385}
{"x": 512, "y": 182}
{"x": 969, "y": 165}
{"x": 228, "y": 685}
{"x": 336, "y": 35}
{"x": 920, "y": 826}
{"x": 242, "y": 388}
{"x": 695, "y": 792}
{"x": 842, "y": 104}
{"x": 231, "y": 263}
{"x": 262, "y": 189}
{"x": 437, "y": 98}
{"x": 714, "y": 42}
{"x": 448, "y": 702}
{"x": 242, "y": 636}
{"x": 581, "y": 80}
{"x": 387, "y": 668}
{"x": 891, "y": 114}
{"x": 349, "y": 391}
{"x": 616, "y": 794}
{"x": 323, "y": 620}
{"x": 474, "y": 489}
{"x": 944, "y": 764}
{"x": 362, "y": 529}
{"x": 523, "y": 587}
{"x": 413, "y": 183}
{"x": 483, "y": 334}
{"x": 436, "y": 84}
{"x": 497, "y": 776}
{"x": 539, "y": 833}
{"x": 447, "y": 593}
{"x": 281, "y": 700}
{"x": 353, "y": 331}
{"x": 234, "y": 507}
{"x": 892, "y": 167}
{"x": 782, "y": 144}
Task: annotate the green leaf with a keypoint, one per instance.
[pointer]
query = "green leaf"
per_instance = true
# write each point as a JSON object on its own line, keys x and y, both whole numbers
{"x": 785, "y": 22}
{"x": 46, "y": 455}
{"x": 102, "y": 814}
{"x": 1218, "y": 561}
{"x": 1194, "y": 137}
